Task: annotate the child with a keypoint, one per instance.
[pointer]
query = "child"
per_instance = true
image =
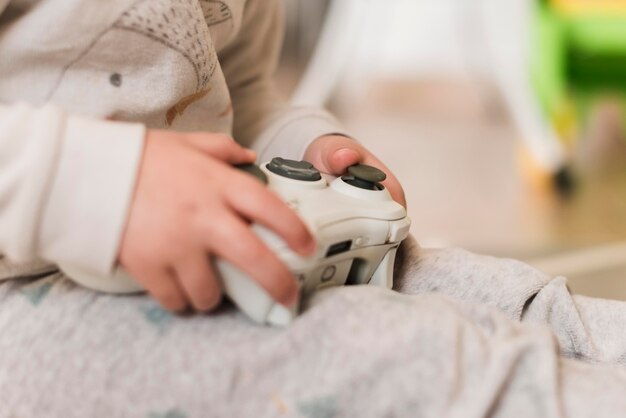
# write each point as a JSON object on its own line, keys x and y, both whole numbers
{"x": 96, "y": 169}
{"x": 116, "y": 143}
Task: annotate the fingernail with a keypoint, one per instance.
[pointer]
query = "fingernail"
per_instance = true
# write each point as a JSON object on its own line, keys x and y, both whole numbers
{"x": 251, "y": 153}
{"x": 347, "y": 150}
{"x": 343, "y": 158}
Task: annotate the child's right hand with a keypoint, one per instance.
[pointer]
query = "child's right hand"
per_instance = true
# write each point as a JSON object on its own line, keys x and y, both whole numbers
{"x": 190, "y": 204}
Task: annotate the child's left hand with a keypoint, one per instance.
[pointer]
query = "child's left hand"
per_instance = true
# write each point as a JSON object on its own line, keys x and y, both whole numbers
{"x": 333, "y": 154}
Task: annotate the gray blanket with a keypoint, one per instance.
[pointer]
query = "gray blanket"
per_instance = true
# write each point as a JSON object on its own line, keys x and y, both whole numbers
{"x": 462, "y": 336}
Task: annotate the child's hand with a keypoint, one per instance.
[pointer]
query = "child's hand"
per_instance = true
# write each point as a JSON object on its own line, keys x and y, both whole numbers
{"x": 191, "y": 204}
{"x": 333, "y": 154}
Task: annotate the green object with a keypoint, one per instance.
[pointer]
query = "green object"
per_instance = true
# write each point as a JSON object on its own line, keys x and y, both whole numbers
{"x": 548, "y": 60}
{"x": 575, "y": 59}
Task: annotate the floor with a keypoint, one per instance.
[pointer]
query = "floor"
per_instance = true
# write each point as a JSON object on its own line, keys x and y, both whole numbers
{"x": 470, "y": 183}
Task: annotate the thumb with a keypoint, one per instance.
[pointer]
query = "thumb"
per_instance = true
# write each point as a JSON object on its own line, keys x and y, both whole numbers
{"x": 333, "y": 155}
{"x": 338, "y": 161}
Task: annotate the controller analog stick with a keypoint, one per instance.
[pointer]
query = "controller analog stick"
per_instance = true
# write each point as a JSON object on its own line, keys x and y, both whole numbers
{"x": 365, "y": 177}
{"x": 296, "y": 170}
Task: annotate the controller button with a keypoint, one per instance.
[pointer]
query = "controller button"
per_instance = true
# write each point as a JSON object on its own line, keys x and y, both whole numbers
{"x": 253, "y": 170}
{"x": 296, "y": 170}
{"x": 340, "y": 247}
{"x": 329, "y": 273}
{"x": 365, "y": 177}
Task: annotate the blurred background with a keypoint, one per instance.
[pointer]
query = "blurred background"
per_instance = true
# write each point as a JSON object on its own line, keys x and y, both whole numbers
{"x": 503, "y": 120}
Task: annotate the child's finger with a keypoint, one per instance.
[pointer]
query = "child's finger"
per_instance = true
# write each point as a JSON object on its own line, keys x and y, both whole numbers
{"x": 220, "y": 146}
{"x": 162, "y": 286}
{"x": 232, "y": 240}
{"x": 339, "y": 161}
{"x": 262, "y": 206}
{"x": 396, "y": 191}
{"x": 198, "y": 281}
{"x": 334, "y": 154}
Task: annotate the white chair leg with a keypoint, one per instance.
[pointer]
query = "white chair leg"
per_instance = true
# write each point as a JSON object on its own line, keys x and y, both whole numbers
{"x": 507, "y": 26}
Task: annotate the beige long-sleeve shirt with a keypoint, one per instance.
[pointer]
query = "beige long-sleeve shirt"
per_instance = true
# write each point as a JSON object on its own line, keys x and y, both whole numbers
{"x": 81, "y": 80}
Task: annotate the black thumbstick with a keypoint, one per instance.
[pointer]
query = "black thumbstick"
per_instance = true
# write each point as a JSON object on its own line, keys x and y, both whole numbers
{"x": 253, "y": 170}
{"x": 365, "y": 177}
{"x": 296, "y": 170}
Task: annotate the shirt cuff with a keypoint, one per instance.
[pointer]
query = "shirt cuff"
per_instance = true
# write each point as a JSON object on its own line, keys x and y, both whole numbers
{"x": 290, "y": 134}
{"x": 85, "y": 213}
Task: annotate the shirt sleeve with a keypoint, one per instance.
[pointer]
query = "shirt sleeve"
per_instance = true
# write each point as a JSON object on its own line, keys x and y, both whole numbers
{"x": 66, "y": 183}
{"x": 263, "y": 120}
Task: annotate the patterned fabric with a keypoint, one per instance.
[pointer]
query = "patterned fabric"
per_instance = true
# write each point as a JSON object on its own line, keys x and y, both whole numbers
{"x": 215, "y": 12}
{"x": 356, "y": 351}
{"x": 177, "y": 24}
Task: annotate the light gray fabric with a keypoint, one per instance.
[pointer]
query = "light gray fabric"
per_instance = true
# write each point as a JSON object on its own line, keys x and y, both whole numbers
{"x": 586, "y": 328}
{"x": 356, "y": 352}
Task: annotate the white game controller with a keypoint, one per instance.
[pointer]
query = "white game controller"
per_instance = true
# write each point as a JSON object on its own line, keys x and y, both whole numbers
{"x": 357, "y": 225}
